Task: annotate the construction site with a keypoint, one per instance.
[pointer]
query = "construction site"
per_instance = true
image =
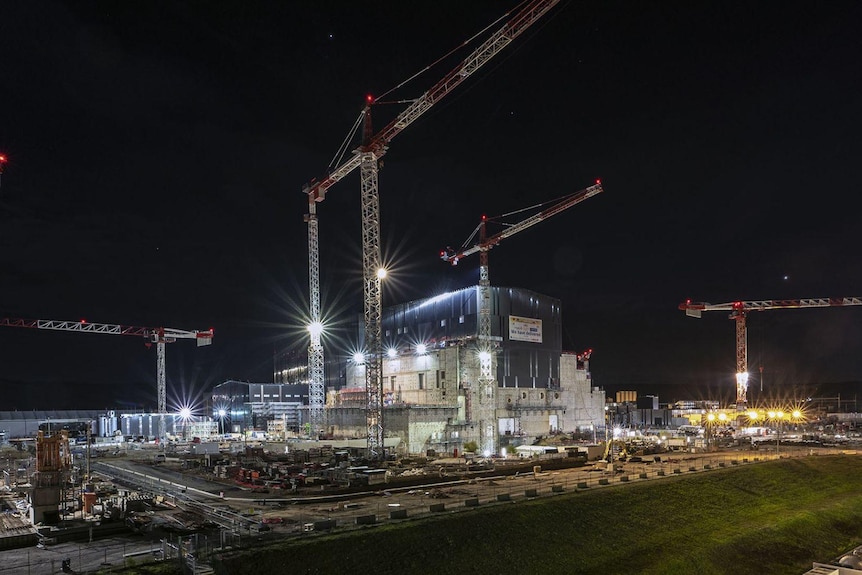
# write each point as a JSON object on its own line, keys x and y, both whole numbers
{"x": 452, "y": 401}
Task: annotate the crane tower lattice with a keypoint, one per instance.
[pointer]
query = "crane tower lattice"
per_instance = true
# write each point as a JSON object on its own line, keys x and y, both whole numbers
{"x": 366, "y": 157}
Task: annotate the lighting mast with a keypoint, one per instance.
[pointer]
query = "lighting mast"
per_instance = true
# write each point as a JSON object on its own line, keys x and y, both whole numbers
{"x": 487, "y": 346}
{"x": 739, "y": 311}
{"x": 366, "y": 157}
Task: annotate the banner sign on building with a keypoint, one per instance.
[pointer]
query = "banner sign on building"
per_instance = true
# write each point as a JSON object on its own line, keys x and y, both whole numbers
{"x": 525, "y": 329}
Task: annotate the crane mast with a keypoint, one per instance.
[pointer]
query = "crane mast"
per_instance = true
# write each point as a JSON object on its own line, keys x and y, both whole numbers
{"x": 367, "y": 157}
{"x": 159, "y": 336}
{"x": 487, "y": 382}
{"x": 739, "y": 311}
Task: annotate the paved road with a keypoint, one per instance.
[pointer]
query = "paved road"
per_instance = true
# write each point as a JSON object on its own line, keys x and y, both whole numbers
{"x": 83, "y": 556}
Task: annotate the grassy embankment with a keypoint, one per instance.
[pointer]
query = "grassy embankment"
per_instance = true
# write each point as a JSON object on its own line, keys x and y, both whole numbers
{"x": 767, "y": 518}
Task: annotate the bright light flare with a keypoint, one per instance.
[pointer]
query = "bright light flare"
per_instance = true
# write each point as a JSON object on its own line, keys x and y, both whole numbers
{"x": 185, "y": 413}
{"x": 315, "y": 329}
{"x": 381, "y": 273}
{"x": 221, "y": 413}
{"x": 421, "y": 349}
{"x": 392, "y": 353}
{"x": 484, "y": 356}
{"x": 359, "y": 358}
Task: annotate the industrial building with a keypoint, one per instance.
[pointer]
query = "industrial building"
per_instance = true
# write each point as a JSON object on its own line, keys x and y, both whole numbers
{"x": 430, "y": 374}
{"x": 239, "y": 406}
{"x": 430, "y": 377}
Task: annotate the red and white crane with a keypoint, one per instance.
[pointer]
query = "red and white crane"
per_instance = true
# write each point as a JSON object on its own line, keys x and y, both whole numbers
{"x": 366, "y": 157}
{"x": 486, "y": 413}
{"x": 739, "y": 311}
{"x": 159, "y": 336}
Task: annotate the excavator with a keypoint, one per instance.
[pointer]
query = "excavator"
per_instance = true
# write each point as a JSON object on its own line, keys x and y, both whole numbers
{"x": 615, "y": 449}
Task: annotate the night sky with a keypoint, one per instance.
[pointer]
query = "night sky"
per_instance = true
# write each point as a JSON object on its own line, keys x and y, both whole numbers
{"x": 157, "y": 153}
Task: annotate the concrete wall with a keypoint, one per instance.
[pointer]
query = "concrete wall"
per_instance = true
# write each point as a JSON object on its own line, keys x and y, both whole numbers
{"x": 434, "y": 411}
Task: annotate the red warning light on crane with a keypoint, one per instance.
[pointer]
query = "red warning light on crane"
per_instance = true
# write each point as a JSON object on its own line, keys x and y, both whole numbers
{"x": 369, "y": 98}
{"x": 598, "y": 182}
{"x": 2, "y": 158}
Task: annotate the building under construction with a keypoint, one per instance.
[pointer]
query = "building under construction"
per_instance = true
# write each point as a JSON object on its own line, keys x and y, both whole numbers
{"x": 52, "y": 466}
{"x": 430, "y": 374}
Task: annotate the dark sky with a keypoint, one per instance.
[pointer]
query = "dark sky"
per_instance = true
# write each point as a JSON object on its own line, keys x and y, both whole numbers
{"x": 157, "y": 153}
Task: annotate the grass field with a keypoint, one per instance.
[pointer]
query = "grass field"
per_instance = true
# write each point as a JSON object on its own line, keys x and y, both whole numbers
{"x": 768, "y": 518}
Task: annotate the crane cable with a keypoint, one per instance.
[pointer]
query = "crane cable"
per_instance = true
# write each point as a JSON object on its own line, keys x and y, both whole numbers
{"x": 342, "y": 150}
{"x": 441, "y": 58}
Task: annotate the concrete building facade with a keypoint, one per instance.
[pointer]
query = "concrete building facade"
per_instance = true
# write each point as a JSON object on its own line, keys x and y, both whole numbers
{"x": 430, "y": 374}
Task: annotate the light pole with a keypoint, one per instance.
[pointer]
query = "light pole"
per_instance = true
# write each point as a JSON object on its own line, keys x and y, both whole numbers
{"x": 780, "y": 415}
{"x": 221, "y": 414}
{"x": 185, "y": 414}
{"x": 710, "y": 422}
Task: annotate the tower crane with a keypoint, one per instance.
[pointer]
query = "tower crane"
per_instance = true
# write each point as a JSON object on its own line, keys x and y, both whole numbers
{"x": 159, "y": 336}
{"x": 366, "y": 158}
{"x": 486, "y": 346}
{"x": 739, "y": 311}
